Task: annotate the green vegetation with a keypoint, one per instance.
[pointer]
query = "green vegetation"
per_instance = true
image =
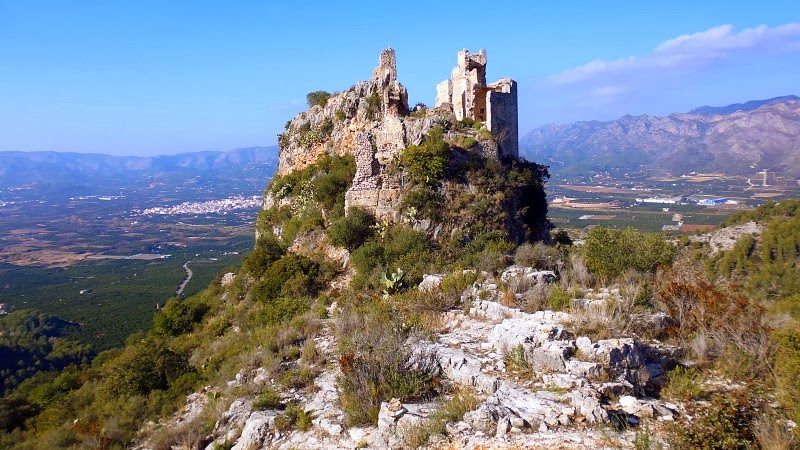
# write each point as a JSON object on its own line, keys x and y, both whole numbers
{"x": 734, "y": 312}
{"x": 377, "y": 363}
{"x": 609, "y": 252}
{"x": 317, "y": 98}
{"x": 725, "y": 423}
{"x": 32, "y": 342}
{"x": 352, "y": 230}
{"x": 426, "y": 163}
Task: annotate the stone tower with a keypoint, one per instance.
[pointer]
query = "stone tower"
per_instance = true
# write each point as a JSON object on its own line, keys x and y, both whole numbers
{"x": 494, "y": 104}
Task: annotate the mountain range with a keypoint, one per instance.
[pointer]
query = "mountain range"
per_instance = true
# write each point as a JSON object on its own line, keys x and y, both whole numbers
{"x": 76, "y": 168}
{"x": 735, "y": 139}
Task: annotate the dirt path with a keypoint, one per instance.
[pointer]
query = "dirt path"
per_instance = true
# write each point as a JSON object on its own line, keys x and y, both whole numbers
{"x": 185, "y": 280}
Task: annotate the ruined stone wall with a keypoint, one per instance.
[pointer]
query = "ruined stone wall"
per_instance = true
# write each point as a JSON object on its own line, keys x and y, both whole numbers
{"x": 502, "y": 116}
{"x": 467, "y": 93}
{"x": 373, "y": 188}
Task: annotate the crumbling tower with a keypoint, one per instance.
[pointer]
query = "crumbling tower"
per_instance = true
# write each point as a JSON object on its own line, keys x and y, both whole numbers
{"x": 494, "y": 104}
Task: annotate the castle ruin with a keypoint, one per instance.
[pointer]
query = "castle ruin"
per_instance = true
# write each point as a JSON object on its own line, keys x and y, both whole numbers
{"x": 371, "y": 121}
{"x": 493, "y": 104}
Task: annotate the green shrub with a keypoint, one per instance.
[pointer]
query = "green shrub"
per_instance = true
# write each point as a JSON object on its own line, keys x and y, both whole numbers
{"x": 298, "y": 378}
{"x": 294, "y": 417}
{"x": 144, "y": 367}
{"x": 559, "y": 298}
{"x": 609, "y": 252}
{"x": 787, "y": 370}
{"x": 726, "y": 423}
{"x": 377, "y": 364}
{"x": 469, "y": 143}
{"x": 373, "y": 105}
{"x": 352, "y": 230}
{"x": 367, "y": 257}
{"x": 178, "y": 317}
{"x": 317, "y": 98}
{"x": 403, "y": 240}
{"x": 280, "y": 272}
{"x": 426, "y": 163}
{"x": 683, "y": 384}
{"x": 268, "y": 249}
{"x": 426, "y": 201}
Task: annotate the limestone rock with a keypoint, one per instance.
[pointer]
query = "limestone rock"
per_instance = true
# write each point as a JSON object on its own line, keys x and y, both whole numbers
{"x": 256, "y": 430}
{"x": 430, "y": 282}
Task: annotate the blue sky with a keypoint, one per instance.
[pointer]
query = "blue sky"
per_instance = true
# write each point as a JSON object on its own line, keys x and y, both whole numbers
{"x": 158, "y": 77}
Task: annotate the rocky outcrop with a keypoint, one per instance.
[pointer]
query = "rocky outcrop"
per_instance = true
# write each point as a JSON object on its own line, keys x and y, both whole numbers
{"x": 372, "y": 122}
{"x": 375, "y": 110}
{"x": 536, "y": 381}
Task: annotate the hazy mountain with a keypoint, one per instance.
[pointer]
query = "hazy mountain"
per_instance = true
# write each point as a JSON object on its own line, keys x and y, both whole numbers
{"x": 733, "y": 139}
{"x": 78, "y": 168}
{"x": 747, "y": 106}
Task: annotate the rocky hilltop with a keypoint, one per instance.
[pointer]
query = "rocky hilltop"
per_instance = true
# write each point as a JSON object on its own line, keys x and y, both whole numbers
{"x": 738, "y": 139}
{"x": 372, "y": 122}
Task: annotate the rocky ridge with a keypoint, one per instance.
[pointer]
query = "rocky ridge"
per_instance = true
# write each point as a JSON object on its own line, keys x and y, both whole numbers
{"x": 570, "y": 388}
{"x": 739, "y": 142}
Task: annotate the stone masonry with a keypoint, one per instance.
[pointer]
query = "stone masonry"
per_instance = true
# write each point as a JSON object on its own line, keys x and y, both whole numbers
{"x": 494, "y": 104}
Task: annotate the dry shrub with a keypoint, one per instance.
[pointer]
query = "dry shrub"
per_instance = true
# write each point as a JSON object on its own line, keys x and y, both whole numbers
{"x": 720, "y": 325}
{"x": 535, "y": 299}
{"x": 378, "y": 363}
{"x": 773, "y": 432}
{"x": 577, "y": 274}
{"x": 538, "y": 255}
{"x": 508, "y": 298}
{"x": 520, "y": 284}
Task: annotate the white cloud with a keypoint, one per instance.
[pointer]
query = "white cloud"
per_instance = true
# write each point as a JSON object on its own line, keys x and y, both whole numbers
{"x": 610, "y": 91}
{"x": 688, "y": 51}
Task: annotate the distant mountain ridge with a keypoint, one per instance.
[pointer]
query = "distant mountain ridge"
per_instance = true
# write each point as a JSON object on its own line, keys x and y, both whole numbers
{"x": 747, "y": 106}
{"x": 65, "y": 168}
{"x": 734, "y": 139}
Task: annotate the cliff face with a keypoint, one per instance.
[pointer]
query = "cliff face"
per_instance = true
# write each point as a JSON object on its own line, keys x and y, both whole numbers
{"x": 737, "y": 142}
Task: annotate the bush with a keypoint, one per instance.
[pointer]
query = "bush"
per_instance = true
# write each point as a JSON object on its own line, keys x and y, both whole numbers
{"x": 725, "y": 424}
{"x": 317, "y": 98}
{"x": 142, "y": 368}
{"x": 787, "y": 370}
{"x": 426, "y": 163}
{"x": 609, "y": 252}
{"x": 352, "y": 230}
{"x": 368, "y": 257}
{"x": 469, "y": 143}
{"x": 268, "y": 249}
{"x": 426, "y": 201}
{"x": 536, "y": 255}
{"x": 377, "y": 364}
{"x": 280, "y": 272}
{"x": 294, "y": 417}
{"x": 178, "y": 317}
